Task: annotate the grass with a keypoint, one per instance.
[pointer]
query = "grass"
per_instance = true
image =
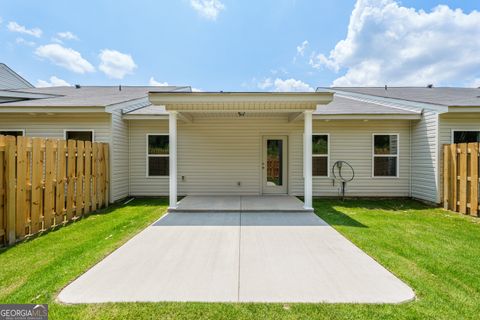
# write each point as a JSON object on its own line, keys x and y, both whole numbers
{"x": 436, "y": 252}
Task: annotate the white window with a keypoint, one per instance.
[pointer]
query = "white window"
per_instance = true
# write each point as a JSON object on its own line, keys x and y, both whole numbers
{"x": 320, "y": 155}
{"x": 12, "y": 132}
{"x": 465, "y": 136}
{"x": 157, "y": 155}
{"x": 385, "y": 155}
{"x": 77, "y": 134}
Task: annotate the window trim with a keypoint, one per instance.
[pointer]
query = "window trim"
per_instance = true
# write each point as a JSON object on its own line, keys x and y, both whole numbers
{"x": 79, "y": 130}
{"x": 452, "y": 133}
{"x": 323, "y": 155}
{"x": 385, "y": 155}
{"x": 14, "y": 130}
{"x": 147, "y": 155}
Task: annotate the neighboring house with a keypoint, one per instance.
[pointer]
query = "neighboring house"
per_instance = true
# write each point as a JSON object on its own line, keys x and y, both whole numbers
{"x": 9, "y": 79}
{"x": 253, "y": 143}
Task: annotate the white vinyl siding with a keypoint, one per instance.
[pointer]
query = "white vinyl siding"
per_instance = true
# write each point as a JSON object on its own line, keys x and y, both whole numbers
{"x": 424, "y": 157}
{"x": 54, "y": 126}
{"x": 214, "y": 154}
{"x": 351, "y": 141}
{"x": 139, "y": 183}
{"x": 119, "y": 157}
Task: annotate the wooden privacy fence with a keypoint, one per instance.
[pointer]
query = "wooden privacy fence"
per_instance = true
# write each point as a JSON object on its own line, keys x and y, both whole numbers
{"x": 460, "y": 177}
{"x": 45, "y": 183}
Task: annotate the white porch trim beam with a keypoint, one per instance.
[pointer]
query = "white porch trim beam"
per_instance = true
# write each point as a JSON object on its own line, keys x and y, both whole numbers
{"x": 172, "y": 134}
{"x": 307, "y": 159}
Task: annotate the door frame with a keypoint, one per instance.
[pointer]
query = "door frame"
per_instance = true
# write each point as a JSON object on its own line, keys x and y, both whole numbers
{"x": 285, "y": 161}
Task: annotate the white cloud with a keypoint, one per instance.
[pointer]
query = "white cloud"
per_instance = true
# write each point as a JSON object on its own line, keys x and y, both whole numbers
{"x": 65, "y": 57}
{"x": 390, "y": 44}
{"x": 15, "y": 27}
{"x": 20, "y": 40}
{"x": 54, "y": 82}
{"x": 209, "y": 9}
{"x": 115, "y": 64}
{"x": 302, "y": 47}
{"x": 154, "y": 82}
{"x": 287, "y": 85}
{"x": 265, "y": 83}
{"x": 67, "y": 35}
{"x": 196, "y": 90}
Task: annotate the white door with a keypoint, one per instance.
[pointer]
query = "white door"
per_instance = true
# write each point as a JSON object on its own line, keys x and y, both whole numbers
{"x": 274, "y": 165}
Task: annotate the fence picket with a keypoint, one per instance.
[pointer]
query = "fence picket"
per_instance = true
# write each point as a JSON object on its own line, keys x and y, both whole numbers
{"x": 10, "y": 176}
{"x": 79, "y": 181}
{"x": 60, "y": 185}
{"x": 473, "y": 178}
{"x": 88, "y": 177}
{"x": 21, "y": 186}
{"x": 36, "y": 193}
{"x": 71, "y": 146}
{"x": 48, "y": 209}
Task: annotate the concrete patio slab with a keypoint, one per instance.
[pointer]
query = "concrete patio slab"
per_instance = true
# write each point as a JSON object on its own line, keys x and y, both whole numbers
{"x": 182, "y": 257}
{"x": 297, "y": 257}
{"x": 209, "y": 203}
{"x": 238, "y": 257}
{"x": 239, "y": 203}
{"x": 274, "y": 203}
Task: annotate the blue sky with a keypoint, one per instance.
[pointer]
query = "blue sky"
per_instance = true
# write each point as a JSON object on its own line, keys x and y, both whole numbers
{"x": 272, "y": 45}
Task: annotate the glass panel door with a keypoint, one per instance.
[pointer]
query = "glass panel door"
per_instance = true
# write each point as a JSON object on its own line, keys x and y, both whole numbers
{"x": 274, "y": 164}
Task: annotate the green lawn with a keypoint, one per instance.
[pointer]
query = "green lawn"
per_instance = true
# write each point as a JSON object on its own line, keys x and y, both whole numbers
{"x": 436, "y": 252}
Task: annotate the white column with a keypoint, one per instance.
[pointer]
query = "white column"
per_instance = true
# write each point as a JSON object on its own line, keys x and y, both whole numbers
{"x": 307, "y": 159}
{"x": 172, "y": 133}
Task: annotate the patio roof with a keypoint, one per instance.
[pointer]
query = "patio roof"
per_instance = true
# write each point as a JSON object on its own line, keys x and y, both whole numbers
{"x": 240, "y": 101}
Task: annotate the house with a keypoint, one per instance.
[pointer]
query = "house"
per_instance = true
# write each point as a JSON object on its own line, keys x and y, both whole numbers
{"x": 172, "y": 141}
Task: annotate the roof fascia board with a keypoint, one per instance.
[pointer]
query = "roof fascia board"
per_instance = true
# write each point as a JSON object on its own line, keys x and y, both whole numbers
{"x": 367, "y": 117}
{"x": 42, "y": 109}
{"x": 460, "y": 109}
{"x": 392, "y": 102}
{"x": 144, "y": 117}
{"x": 129, "y": 103}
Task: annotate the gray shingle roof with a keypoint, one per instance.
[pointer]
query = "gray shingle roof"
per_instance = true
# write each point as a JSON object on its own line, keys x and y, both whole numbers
{"x": 348, "y": 106}
{"x": 461, "y": 97}
{"x": 87, "y": 96}
{"x": 9, "y": 79}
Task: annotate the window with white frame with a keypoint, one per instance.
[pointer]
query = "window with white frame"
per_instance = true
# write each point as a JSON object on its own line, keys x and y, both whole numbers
{"x": 385, "y": 155}
{"x": 83, "y": 135}
{"x": 157, "y": 155}
{"x": 12, "y": 132}
{"x": 465, "y": 136}
{"x": 320, "y": 155}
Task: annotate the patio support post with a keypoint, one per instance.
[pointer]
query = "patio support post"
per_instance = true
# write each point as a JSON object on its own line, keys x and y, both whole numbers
{"x": 307, "y": 159}
{"x": 172, "y": 134}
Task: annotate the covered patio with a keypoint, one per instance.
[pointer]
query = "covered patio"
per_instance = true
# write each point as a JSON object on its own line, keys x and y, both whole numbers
{"x": 267, "y": 150}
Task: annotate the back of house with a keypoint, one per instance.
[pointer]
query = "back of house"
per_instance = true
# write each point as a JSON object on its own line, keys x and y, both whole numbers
{"x": 169, "y": 140}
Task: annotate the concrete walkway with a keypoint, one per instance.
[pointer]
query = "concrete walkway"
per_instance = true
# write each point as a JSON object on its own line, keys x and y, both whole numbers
{"x": 238, "y": 257}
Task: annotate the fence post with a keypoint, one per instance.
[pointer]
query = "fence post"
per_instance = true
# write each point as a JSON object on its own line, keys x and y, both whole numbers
{"x": 79, "y": 185}
{"x": 37, "y": 175}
